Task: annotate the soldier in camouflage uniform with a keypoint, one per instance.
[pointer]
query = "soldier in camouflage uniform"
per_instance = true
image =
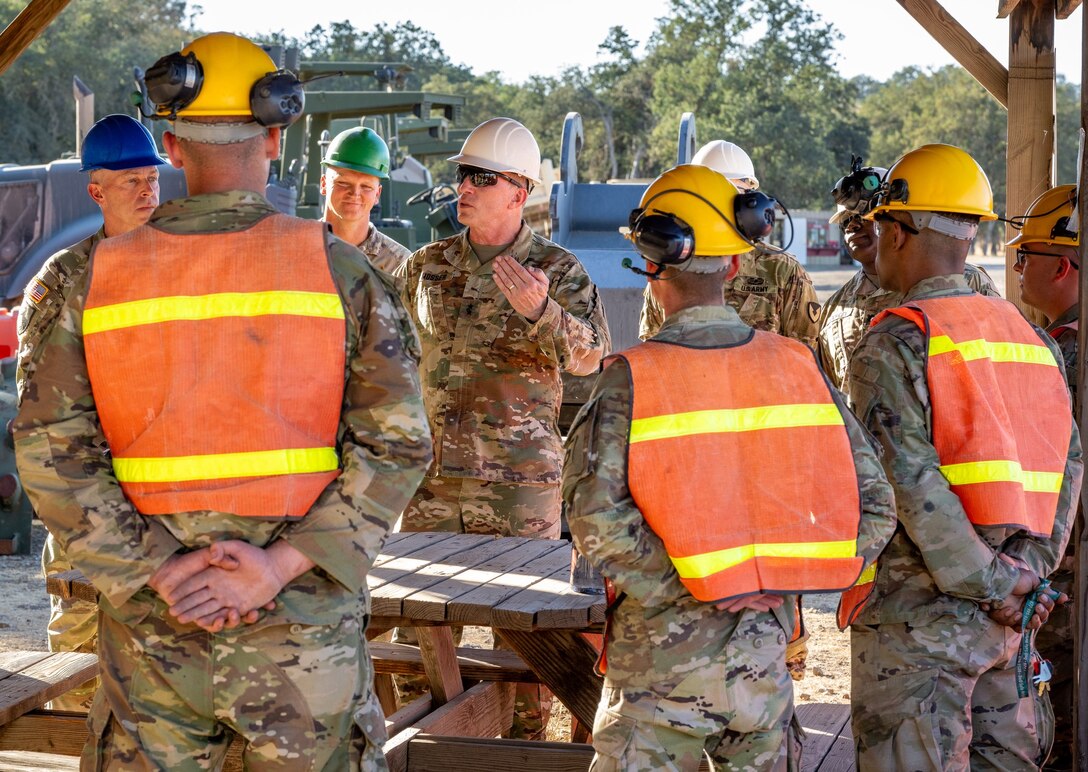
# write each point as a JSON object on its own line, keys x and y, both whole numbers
{"x": 501, "y": 313}
{"x": 687, "y": 676}
{"x": 213, "y": 623}
{"x": 771, "y": 291}
{"x": 933, "y": 667}
{"x": 121, "y": 158}
{"x": 846, "y": 315}
{"x": 1048, "y": 261}
{"x": 356, "y": 162}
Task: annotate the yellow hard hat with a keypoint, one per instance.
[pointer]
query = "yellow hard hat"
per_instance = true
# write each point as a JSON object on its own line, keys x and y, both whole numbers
{"x": 1047, "y": 220}
{"x": 687, "y": 212}
{"x": 222, "y": 74}
{"x": 936, "y": 178}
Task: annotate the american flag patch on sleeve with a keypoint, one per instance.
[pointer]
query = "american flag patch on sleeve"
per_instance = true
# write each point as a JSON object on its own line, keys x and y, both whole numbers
{"x": 38, "y": 290}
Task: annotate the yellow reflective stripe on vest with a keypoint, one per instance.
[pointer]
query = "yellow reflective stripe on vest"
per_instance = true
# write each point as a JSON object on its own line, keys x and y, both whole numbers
{"x": 710, "y": 563}
{"x": 747, "y": 419}
{"x": 220, "y": 466}
{"x": 867, "y": 576}
{"x": 1026, "y": 353}
{"x": 1002, "y": 471}
{"x": 191, "y": 308}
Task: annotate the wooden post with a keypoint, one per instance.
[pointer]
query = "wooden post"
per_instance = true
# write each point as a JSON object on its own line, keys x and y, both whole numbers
{"x": 1031, "y": 144}
{"x": 30, "y": 22}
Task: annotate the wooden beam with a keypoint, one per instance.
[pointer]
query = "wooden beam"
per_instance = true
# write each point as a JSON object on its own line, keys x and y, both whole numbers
{"x": 440, "y": 663}
{"x": 962, "y": 47}
{"x": 1005, "y": 7}
{"x": 26, "y": 27}
{"x": 485, "y": 710}
{"x": 475, "y": 664}
{"x": 1065, "y": 8}
{"x": 1031, "y": 140}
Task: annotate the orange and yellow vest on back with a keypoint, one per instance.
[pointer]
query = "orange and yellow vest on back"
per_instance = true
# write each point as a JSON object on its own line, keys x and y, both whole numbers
{"x": 988, "y": 372}
{"x": 1001, "y": 413}
{"x": 739, "y": 459}
{"x": 217, "y": 366}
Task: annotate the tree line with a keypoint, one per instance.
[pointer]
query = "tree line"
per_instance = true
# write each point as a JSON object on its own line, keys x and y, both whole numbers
{"x": 760, "y": 73}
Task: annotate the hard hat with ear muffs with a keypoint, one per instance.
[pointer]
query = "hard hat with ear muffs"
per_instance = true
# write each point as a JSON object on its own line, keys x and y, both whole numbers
{"x": 936, "y": 178}
{"x": 693, "y": 212}
{"x": 224, "y": 75}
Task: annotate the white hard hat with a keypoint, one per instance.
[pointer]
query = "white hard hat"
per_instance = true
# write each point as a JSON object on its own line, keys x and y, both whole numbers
{"x": 728, "y": 160}
{"x": 502, "y": 145}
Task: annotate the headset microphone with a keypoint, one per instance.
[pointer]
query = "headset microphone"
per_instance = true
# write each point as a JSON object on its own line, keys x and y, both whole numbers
{"x": 629, "y": 265}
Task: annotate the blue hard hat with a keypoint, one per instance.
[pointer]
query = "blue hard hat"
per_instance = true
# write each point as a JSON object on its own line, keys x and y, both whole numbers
{"x": 119, "y": 142}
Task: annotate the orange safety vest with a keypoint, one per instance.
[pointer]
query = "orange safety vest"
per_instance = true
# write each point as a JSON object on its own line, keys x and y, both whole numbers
{"x": 987, "y": 372}
{"x": 738, "y": 458}
{"x": 217, "y": 365}
{"x": 1001, "y": 413}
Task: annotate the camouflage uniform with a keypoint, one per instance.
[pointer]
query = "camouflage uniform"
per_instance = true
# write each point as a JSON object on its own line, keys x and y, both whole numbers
{"x": 385, "y": 254}
{"x": 73, "y": 623}
{"x": 175, "y": 691}
{"x": 683, "y": 676}
{"x": 491, "y": 384}
{"x": 1055, "y": 639}
{"x": 771, "y": 292}
{"x": 846, "y": 315}
{"x": 933, "y": 678}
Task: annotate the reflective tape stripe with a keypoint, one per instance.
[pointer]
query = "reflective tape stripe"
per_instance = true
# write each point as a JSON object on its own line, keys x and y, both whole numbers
{"x": 710, "y": 563}
{"x": 867, "y": 576}
{"x": 1026, "y": 353}
{"x": 747, "y": 419}
{"x": 219, "y": 466}
{"x": 975, "y": 472}
{"x": 191, "y": 308}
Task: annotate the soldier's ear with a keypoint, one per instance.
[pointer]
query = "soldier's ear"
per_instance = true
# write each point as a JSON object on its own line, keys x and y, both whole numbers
{"x": 94, "y": 190}
{"x": 172, "y": 147}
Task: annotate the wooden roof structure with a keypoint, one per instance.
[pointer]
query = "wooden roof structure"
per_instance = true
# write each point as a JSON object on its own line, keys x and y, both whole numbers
{"x": 1025, "y": 88}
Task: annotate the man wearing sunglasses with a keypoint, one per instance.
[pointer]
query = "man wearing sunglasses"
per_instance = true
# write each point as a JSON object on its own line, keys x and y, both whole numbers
{"x": 501, "y": 313}
{"x": 1048, "y": 261}
{"x": 356, "y": 162}
{"x": 969, "y": 404}
{"x": 846, "y": 315}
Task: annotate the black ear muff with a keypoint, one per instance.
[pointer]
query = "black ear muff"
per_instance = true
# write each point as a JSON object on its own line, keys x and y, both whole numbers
{"x": 277, "y": 99}
{"x": 662, "y": 238}
{"x": 1061, "y": 230}
{"x": 755, "y": 214}
{"x": 173, "y": 82}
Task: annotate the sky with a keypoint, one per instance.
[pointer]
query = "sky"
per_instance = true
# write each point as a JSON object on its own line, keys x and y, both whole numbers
{"x": 879, "y": 37}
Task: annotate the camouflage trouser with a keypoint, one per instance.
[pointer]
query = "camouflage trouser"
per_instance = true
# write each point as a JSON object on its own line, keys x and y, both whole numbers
{"x": 466, "y": 505}
{"x": 941, "y": 694}
{"x": 73, "y": 626}
{"x": 173, "y": 697}
{"x": 737, "y": 710}
{"x": 1055, "y": 643}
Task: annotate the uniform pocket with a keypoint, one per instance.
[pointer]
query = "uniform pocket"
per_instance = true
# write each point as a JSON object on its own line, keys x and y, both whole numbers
{"x": 99, "y": 723}
{"x": 759, "y": 310}
{"x": 613, "y": 736}
{"x": 432, "y": 312}
{"x": 900, "y": 713}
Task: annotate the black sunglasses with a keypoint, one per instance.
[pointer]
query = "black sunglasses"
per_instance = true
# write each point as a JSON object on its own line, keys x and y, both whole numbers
{"x": 483, "y": 178}
{"x": 1022, "y": 257}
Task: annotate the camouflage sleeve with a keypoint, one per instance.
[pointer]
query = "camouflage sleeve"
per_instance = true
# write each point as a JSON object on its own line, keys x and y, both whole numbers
{"x": 800, "y": 309}
{"x": 979, "y": 280}
{"x": 384, "y": 437}
{"x": 878, "y": 519}
{"x": 1044, "y": 555}
{"x": 65, "y": 467}
{"x": 573, "y": 330}
{"x": 887, "y": 389}
{"x": 604, "y": 522}
{"x": 652, "y": 316}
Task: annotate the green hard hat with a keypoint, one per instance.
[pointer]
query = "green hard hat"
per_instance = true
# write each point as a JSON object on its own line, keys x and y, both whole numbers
{"x": 360, "y": 149}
